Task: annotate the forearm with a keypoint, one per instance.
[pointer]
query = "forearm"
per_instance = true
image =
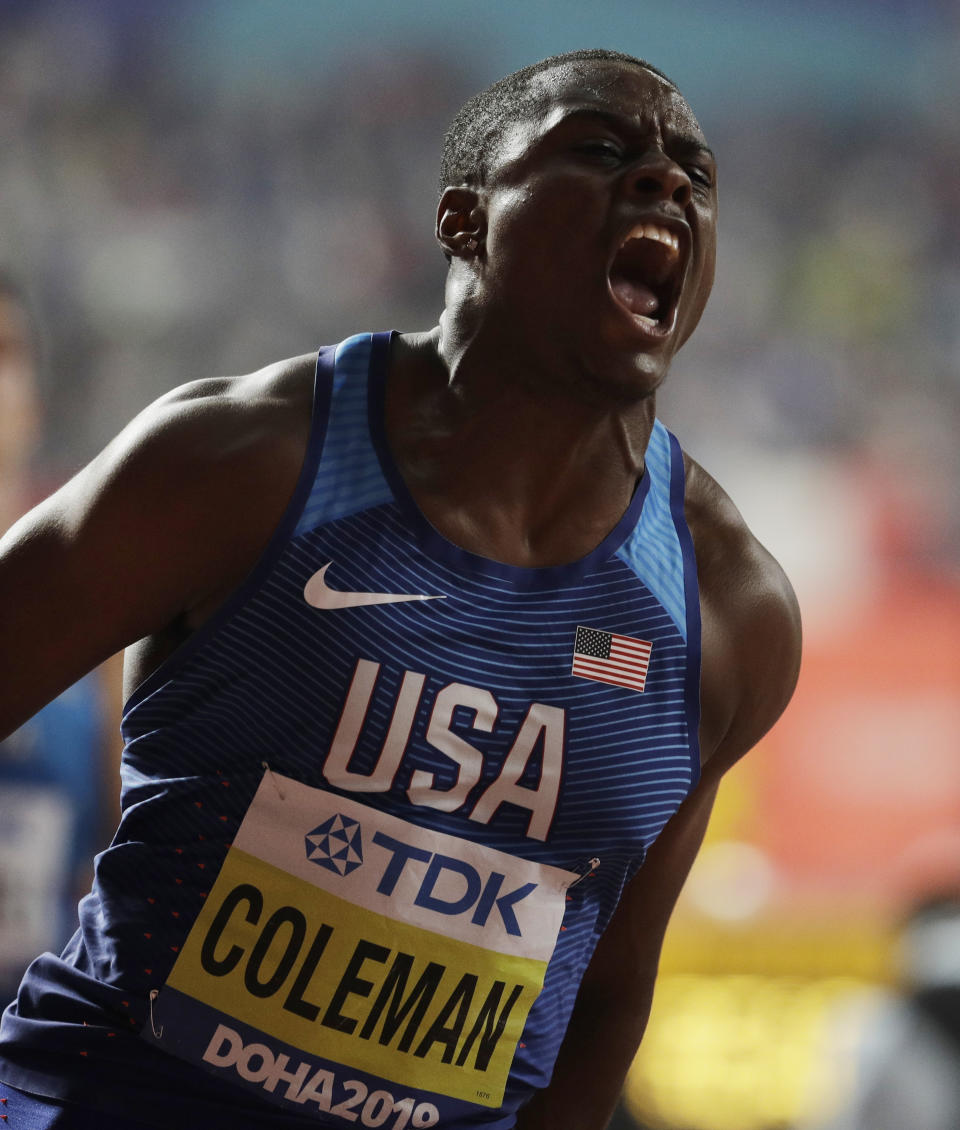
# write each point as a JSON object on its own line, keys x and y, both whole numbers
{"x": 601, "y": 1041}
{"x": 613, "y": 1004}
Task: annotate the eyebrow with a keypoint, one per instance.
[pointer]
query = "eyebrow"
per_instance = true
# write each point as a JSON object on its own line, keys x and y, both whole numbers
{"x": 618, "y": 121}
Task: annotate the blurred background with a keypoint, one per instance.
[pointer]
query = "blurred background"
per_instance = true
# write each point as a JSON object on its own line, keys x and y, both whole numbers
{"x": 197, "y": 187}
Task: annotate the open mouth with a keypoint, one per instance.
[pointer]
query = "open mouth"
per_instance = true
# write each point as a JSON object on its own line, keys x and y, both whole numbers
{"x": 646, "y": 274}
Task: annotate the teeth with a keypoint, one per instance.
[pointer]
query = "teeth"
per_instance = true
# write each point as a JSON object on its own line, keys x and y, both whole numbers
{"x": 646, "y": 321}
{"x": 657, "y": 233}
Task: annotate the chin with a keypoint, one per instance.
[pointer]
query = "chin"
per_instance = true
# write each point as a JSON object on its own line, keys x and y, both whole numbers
{"x": 637, "y": 359}
{"x": 622, "y": 375}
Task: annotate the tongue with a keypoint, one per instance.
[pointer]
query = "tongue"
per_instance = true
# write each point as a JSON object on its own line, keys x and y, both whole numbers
{"x": 637, "y": 298}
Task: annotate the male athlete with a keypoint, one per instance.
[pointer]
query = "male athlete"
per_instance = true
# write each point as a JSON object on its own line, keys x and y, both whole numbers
{"x": 437, "y": 649}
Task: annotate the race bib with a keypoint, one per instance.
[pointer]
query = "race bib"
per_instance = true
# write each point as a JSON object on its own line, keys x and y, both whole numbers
{"x": 341, "y": 948}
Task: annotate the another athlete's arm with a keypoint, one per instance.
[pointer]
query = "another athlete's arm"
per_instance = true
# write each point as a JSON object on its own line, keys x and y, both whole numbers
{"x": 751, "y": 653}
{"x": 175, "y": 509}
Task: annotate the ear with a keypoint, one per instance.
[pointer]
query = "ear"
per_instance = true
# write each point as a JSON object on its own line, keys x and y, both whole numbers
{"x": 461, "y": 222}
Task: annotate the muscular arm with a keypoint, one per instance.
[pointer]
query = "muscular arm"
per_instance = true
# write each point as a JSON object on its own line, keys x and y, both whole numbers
{"x": 751, "y": 654}
{"x": 614, "y": 1000}
{"x": 173, "y": 512}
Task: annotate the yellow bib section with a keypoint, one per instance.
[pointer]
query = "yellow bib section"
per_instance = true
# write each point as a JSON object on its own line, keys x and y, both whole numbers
{"x": 350, "y": 985}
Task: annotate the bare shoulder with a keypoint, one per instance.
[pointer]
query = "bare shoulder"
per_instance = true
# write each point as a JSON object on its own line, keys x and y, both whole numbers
{"x": 212, "y": 466}
{"x": 191, "y": 443}
{"x": 206, "y": 447}
{"x": 208, "y": 467}
{"x": 220, "y": 417}
{"x": 750, "y": 619}
{"x": 155, "y": 531}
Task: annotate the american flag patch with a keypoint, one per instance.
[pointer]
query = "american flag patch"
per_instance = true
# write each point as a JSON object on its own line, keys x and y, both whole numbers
{"x": 609, "y": 658}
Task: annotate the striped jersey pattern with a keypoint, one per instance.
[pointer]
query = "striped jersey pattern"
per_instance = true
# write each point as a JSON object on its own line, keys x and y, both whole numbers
{"x": 265, "y": 683}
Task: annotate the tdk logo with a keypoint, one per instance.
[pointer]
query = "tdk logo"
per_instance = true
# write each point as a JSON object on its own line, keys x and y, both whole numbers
{"x": 447, "y": 885}
{"x": 336, "y": 845}
{"x": 480, "y": 895}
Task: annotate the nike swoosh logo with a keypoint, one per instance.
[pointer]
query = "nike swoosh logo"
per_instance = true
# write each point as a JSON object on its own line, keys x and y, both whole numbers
{"x": 318, "y": 594}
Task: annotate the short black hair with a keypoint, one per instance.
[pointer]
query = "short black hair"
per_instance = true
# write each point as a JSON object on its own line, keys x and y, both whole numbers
{"x": 471, "y": 137}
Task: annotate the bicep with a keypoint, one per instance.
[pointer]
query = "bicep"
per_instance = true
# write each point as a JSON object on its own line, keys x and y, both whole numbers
{"x": 751, "y": 662}
{"x": 118, "y": 553}
{"x": 751, "y": 656}
{"x": 75, "y": 587}
{"x": 751, "y": 631}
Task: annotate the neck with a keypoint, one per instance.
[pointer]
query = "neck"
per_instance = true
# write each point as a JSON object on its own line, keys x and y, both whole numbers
{"x": 477, "y": 336}
{"x": 505, "y": 455}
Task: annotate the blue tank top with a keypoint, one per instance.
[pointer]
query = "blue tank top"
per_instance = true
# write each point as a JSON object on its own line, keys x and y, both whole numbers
{"x": 376, "y": 812}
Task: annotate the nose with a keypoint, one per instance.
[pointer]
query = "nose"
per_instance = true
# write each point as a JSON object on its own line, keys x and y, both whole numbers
{"x": 663, "y": 179}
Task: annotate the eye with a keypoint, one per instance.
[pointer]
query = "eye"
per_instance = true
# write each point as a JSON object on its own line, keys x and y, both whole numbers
{"x": 700, "y": 177}
{"x": 600, "y": 149}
